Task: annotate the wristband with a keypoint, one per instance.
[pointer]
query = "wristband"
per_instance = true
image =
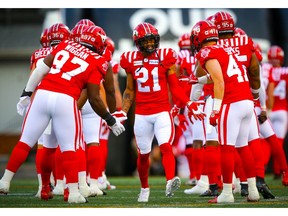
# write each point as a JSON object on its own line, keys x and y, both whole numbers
{"x": 255, "y": 91}
{"x": 202, "y": 79}
{"x": 217, "y": 104}
{"x": 109, "y": 119}
{"x": 25, "y": 93}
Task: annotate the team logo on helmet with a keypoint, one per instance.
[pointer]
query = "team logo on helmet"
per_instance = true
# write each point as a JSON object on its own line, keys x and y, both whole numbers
{"x": 135, "y": 33}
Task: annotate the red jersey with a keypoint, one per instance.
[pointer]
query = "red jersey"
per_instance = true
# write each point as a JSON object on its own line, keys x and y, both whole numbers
{"x": 115, "y": 66}
{"x": 278, "y": 75}
{"x": 73, "y": 67}
{"x": 243, "y": 48}
{"x": 150, "y": 79}
{"x": 237, "y": 86}
{"x": 38, "y": 54}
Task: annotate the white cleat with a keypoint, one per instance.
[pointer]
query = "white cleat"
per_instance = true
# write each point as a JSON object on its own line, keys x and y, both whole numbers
{"x": 144, "y": 195}
{"x": 58, "y": 190}
{"x": 4, "y": 187}
{"x": 253, "y": 195}
{"x": 85, "y": 190}
{"x": 95, "y": 191}
{"x": 223, "y": 198}
{"x": 76, "y": 198}
{"x": 172, "y": 185}
{"x": 101, "y": 183}
{"x": 198, "y": 189}
{"x": 38, "y": 194}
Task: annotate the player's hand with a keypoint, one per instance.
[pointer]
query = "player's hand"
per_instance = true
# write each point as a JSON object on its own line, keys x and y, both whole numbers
{"x": 120, "y": 115}
{"x": 174, "y": 111}
{"x": 215, "y": 115}
{"x": 262, "y": 117}
{"x": 193, "y": 80}
{"x": 22, "y": 105}
{"x": 195, "y": 111}
{"x": 117, "y": 128}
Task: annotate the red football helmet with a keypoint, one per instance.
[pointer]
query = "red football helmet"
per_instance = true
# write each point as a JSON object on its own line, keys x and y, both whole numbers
{"x": 87, "y": 22}
{"x": 276, "y": 55}
{"x": 211, "y": 18}
{"x": 224, "y": 22}
{"x": 203, "y": 31}
{"x": 94, "y": 38}
{"x": 44, "y": 38}
{"x": 77, "y": 31}
{"x": 110, "y": 44}
{"x": 184, "y": 41}
{"x": 143, "y": 32}
{"x": 57, "y": 33}
{"x": 258, "y": 51}
{"x": 239, "y": 31}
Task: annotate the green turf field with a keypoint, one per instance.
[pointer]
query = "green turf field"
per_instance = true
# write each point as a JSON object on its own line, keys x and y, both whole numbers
{"x": 125, "y": 196}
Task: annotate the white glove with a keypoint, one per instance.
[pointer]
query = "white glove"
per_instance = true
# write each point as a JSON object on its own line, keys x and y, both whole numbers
{"x": 117, "y": 128}
{"x": 120, "y": 115}
{"x": 22, "y": 105}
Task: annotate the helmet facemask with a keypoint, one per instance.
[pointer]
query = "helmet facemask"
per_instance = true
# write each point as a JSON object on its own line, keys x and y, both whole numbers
{"x": 144, "y": 47}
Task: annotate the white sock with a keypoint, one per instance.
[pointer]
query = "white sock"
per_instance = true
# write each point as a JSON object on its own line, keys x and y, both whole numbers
{"x": 8, "y": 175}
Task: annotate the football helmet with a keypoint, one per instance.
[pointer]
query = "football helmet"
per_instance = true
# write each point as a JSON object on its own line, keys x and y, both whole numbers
{"x": 144, "y": 32}
{"x": 57, "y": 33}
{"x": 77, "y": 31}
{"x": 109, "y": 43}
{"x": 184, "y": 42}
{"x": 94, "y": 38}
{"x": 44, "y": 38}
{"x": 224, "y": 22}
{"x": 87, "y": 22}
{"x": 275, "y": 55}
{"x": 239, "y": 31}
{"x": 202, "y": 31}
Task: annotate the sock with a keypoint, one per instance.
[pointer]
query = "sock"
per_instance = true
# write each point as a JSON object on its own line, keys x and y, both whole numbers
{"x": 265, "y": 148}
{"x": 59, "y": 172}
{"x": 227, "y": 164}
{"x": 189, "y": 154}
{"x": 38, "y": 158}
{"x": 247, "y": 161}
{"x": 93, "y": 160}
{"x": 168, "y": 160}
{"x": 212, "y": 160}
{"x": 46, "y": 165}
{"x": 18, "y": 156}
{"x": 81, "y": 160}
{"x": 198, "y": 161}
{"x": 143, "y": 164}
{"x": 104, "y": 150}
{"x": 70, "y": 162}
{"x": 276, "y": 164}
{"x": 238, "y": 168}
{"x": 255, "y": 146}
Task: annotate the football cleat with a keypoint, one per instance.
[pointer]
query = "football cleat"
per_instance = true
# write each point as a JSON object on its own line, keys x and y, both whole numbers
{"x": 58, "y": 190}
{"x": 191, "y": 182}
{"x": 253, "y": 196}
{"x": 172, "y": 185}
{"x": 4, "y": 187}
{"x": 200, "y": 188}
{"x": 223, "y": 198}
{"x": 95, "y": 191}
{"x": 66, "y": 194}
{"x": 244, "y": 190}
{"x": 209, "y": 192}
{"x": 144, "y": 195}
{"x": 46, "y": 192}
{"x": 85, "y": 190}
{"x": 76, "y": 198}
{"x": 102, "y": 185}
{"x": 38, "y": 194}
{"x": 265, "y": 191}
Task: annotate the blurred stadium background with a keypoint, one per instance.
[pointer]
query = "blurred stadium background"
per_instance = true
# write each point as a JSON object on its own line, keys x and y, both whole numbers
{"x": 19, "y": 37}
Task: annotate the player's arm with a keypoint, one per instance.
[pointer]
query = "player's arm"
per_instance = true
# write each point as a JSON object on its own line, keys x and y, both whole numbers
{"x": 254, "y": 75}
{"x": 118, "y": 94}
{"x": 109, "y": 89}
{"x": 129, "y": 93}
{"x": 270, "y": 96}
{"x": 82, "y": 99}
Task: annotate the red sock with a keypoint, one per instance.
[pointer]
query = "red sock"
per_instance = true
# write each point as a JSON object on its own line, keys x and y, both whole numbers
{"x": 70, "y": 161}
{"x": 59, "y": 172}
{"x": 247, "y": 161}
{"x": 276, "y": 165}
{"x": 238, "y": 169}
{"x": 227, "y": 163}
{"x": 255, "y": 148}
{"x": 104, "y": 150}
{"x": 168, "y": 160}
{"x": 189, "y": 154}
{"x": 277, "y": 152}
{"x": 212, "y": 160}
{"x": 265, "y": 148}
{"x": 143, "y": 164}
{"x": 94, "y": 160}
{"x": 81, "y": 159}
{"x": 39, "y": 154}
{"x": 47, "y": 164}
{"x": 198, "y": 162}
{"x": 18, "y": 156}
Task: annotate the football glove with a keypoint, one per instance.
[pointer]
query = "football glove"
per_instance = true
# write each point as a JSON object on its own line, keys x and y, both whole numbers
{"x": 22, "y": 105}
{"x": 195, "y": 111}
{"x": 117, "y": 128}
{"x": 174, "y": 111}
{"x": 120, "y": 115}
{"x": 215, "y": 115}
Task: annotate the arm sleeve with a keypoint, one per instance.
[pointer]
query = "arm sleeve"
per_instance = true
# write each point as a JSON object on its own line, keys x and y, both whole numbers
{"x": 196, "y": 91}
{"x": 40, "y": 71}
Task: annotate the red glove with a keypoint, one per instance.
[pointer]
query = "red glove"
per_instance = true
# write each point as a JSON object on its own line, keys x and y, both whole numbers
{"x": 193, "y": 80}
{"x": 193, "y": 110}
{"x": 120, "y": 115}
{"x": 174, "y": 111}
{"x": 214, "y": 117}
{"x": 182, "y": 122}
